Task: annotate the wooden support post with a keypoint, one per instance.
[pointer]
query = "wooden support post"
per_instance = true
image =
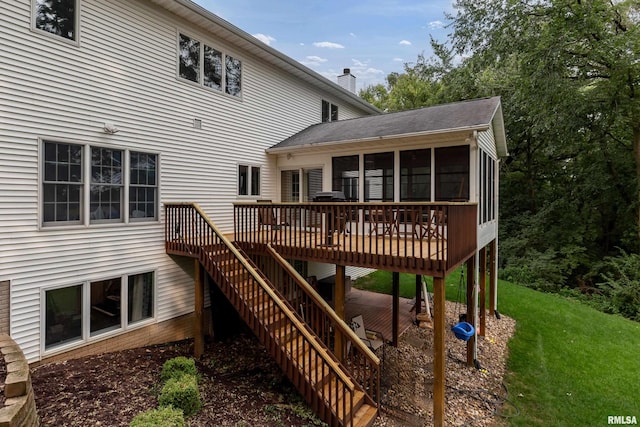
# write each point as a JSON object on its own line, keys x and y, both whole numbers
{"x": 493, "y": 277}
{"x": 482, "y": 260}
{"x": 338, "y": 298}
{"x": 471, "y": 307}
{"x": 438, "y": 351}
{"x": 395, "y": 320}
{"x": 198, "y": 330}
{"x": 419, "y": 294}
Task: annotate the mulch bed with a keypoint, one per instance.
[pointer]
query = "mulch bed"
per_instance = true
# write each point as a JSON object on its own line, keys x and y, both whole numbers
{"x": 242, "y": 386}
{"x": 239, "y": 385}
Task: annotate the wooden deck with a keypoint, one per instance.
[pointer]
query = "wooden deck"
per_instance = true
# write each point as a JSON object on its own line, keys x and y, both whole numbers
{"x": 397, "y": 245}
{"x": 420, "y": 238}
{"x": 376, "y": 310}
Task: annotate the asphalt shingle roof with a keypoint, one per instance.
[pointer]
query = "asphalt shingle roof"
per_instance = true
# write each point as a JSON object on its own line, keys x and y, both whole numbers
{"x": 458, "y": 115}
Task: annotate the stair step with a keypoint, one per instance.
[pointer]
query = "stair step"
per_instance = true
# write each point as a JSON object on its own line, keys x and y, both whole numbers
{"x": 285, "y": 333}
{"x": 365, "y": 416}
{"x": 337, "y": 402}
{"x": 301, "y": 354}
{"x": 316, "y": 371}
{"x": 249, "y": 290}
{"x": 276, "y": 320}
{"x": 333, "y": 394}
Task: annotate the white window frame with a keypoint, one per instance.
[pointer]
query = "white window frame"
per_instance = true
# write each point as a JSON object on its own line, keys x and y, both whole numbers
{"x": 223, "y": 86}
{"x": 85, "y": 335}
{"x": 75, "y": 41}
{"x": 249, "y": 185}
{"x": 330, "y": 105}
{"x": 85, "y": 202}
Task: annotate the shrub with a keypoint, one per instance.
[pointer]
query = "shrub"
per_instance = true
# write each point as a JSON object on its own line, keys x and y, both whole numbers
{"x": 622, "y": 285}
{"x": 182, "y": 393}
{"x": 166, "y": 417}
{"x": 178, "y": 366}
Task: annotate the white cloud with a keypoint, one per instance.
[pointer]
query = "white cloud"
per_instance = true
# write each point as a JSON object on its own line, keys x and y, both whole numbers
{"x": 352, "y": 34}
{"x": 313, "y": 61}
{"x": 375, "y": 71}
{"x": 264, "y": 38}
{"x": 405, "y": 42}
{"x": 329, "y": 45}
{"x": 436, "y": 24}
{"x": 359, "y": 64}
{"x": 398, "y": 60}
{"x": 362, "y": 69}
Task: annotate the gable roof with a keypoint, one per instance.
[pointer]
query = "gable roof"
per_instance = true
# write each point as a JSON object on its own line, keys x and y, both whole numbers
{"x": 213, "y": 24}
{"x": 477, "y": 114}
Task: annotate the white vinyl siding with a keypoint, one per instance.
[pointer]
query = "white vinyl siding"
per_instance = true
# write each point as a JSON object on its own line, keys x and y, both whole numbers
{"x": 487, "y": 142}
{"x": 123, "y": 71}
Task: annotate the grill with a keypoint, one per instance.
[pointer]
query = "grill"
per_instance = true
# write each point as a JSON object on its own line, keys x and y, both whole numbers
{"x": 329, "y": 196}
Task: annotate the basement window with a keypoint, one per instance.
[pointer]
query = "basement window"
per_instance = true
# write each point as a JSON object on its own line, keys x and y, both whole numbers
{"x": 78, "y": 313}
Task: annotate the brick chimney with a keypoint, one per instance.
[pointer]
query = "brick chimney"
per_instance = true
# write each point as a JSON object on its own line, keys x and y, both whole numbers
{"x": 347, "y": 80}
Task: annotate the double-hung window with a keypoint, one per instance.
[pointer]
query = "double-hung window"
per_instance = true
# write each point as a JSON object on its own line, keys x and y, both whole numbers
{"x": 76, "y": 190}
{"x": 143, "y": 186}
{"x": 248, "y": 180}
{"x": 63, "y": 183}
{"x": 59, "y": 17}
{"x": 106, "y": 192}
{"x": 329, "y": 112}
{"x": 208, "y": 66}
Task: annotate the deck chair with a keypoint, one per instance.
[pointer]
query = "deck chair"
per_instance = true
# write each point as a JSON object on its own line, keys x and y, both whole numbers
{"x": 267, "y": 218}
{"x": 437, "y": 223}
{"x": 373, "y": 339}
{"x": 381, "y": 222}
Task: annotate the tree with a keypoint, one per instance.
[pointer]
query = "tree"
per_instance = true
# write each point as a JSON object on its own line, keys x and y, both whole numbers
{"x": 580, "y": 56}
{"x": 568, "y": 73}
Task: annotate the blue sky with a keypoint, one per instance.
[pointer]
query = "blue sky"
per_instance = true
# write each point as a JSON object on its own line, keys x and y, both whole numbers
{"x": 372, "y": 38}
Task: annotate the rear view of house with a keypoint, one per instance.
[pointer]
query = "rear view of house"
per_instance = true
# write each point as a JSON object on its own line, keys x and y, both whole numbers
{"x": 123, "y": 124}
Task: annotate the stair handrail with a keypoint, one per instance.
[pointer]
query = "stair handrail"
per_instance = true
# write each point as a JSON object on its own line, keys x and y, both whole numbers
{"x": 326, "y": 308}
{"x": 300, "y": 326}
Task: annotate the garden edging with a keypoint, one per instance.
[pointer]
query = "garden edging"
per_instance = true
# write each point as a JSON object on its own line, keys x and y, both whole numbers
{"x": 19, "y": 409}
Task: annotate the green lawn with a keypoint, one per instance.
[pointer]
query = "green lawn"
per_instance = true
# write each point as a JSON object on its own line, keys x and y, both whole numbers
{"x": 569, "y": 364}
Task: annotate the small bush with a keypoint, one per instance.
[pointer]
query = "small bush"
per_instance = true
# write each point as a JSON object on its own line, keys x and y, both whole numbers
{"x": 178, "y": 366}
{"x": 622, "y": 285}
{"x": 182, "y": 393}
{"x": 166, "y": 417}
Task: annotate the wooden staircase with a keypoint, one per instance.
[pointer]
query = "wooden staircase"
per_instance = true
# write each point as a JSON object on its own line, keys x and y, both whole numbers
{"x": 338, "y": 376}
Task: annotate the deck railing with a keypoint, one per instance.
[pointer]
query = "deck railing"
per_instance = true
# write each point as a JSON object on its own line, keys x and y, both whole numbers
{"x": 431, "y": 238}
{"x": 361, "y": 362}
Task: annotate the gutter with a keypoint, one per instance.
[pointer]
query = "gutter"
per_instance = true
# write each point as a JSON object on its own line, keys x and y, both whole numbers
{"x": 290, "y": 148}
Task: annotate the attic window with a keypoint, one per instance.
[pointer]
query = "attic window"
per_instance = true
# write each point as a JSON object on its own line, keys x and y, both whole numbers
{"x": 329, "y": 112}
{"x": 59, "y": 17}
{"x": 209, "y": 67}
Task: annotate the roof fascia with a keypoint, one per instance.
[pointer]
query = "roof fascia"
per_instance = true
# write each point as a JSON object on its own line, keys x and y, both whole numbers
{"x": 377, "y": 138}
{"x": 499, "y": 132}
